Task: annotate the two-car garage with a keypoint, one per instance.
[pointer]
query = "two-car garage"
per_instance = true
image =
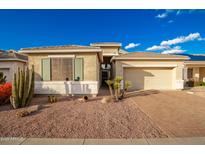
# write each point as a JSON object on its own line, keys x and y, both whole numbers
{"x": 149, "y": 78}
{"x": 147, "y": 70}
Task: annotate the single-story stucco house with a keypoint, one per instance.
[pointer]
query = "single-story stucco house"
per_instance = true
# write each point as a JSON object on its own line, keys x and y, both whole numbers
{"x": 71, "y": 69}
{"x": 76, "y": 69}
{"x": 10, "y": 61}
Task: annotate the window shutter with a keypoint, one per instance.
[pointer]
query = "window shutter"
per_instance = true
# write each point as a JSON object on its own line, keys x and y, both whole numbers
{"x": 79, "y": 69}
{"x": 46, "y": 69}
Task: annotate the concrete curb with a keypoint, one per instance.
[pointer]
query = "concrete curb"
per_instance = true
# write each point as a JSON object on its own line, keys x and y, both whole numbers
{"x": 63, "y": 141}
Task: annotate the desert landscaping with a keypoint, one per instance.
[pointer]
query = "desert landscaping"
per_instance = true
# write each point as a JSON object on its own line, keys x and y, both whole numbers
{"x": 148, "y": 114}
{"x": 70, "y": 118}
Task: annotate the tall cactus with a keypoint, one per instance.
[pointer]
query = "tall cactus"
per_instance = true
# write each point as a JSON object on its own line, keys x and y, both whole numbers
{"x": 22, "y": 88}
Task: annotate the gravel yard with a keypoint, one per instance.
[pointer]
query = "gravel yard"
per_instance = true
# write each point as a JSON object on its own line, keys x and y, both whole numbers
{"x": 70, "y": 118}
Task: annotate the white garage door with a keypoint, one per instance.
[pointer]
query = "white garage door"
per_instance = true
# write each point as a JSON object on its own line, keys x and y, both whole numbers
{"x": 149, "y": 78}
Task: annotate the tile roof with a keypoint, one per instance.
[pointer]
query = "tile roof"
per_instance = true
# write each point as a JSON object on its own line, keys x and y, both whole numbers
{"x": 60, "y": 47}
{"x": 195, "y": 57}
{"x": 149, "y": 55}
{"x": 12, "y": 55}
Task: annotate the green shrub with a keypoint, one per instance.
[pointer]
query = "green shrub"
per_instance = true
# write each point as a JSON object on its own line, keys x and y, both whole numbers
{"x": 52, "y": 99}
{"x": 199, "y": 83}
{"x": 116, "y": 85}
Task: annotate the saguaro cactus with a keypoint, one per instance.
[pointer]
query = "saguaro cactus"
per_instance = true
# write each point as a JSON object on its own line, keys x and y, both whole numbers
{"x": 22, "y": 88}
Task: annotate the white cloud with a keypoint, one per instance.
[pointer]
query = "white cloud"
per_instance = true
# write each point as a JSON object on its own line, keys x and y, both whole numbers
{"x": 181, "y": 39}
{"x": 166, "y": 46}
{"x": 132, "y": 45}
{"x": 176, "y": 12}
{"x": 155, "y": 48}
{"x": 175, "y": 50}
{"x": 161, "y": 16}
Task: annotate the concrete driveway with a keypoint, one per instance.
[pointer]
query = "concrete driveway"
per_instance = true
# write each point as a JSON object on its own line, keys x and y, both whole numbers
{"x": 178, "y": 113}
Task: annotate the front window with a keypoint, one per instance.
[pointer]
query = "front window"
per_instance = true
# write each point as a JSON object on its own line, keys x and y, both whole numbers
{"x": 62, "y": 69}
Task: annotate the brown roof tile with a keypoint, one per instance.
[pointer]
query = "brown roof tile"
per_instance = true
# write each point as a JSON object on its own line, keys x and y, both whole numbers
{"x": 149, "y": 55}
{"x": 60, "y": 47}
{"x": 12, "y": 55}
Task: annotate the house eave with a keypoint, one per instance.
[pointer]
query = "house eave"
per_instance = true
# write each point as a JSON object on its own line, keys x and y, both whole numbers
{"x": 59, "y": 51}
{"x": 147, "y": 58}
{"x": 8, "y": 60}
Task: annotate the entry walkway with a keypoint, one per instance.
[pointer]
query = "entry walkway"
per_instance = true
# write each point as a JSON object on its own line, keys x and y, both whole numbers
{"x": 59, "y": 141}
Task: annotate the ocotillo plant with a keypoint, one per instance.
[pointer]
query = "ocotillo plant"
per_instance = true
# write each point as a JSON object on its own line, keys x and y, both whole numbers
{"x": 22, "y": 88}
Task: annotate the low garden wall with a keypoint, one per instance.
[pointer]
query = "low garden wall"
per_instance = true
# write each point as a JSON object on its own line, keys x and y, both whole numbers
{"x": 66, "y": 87}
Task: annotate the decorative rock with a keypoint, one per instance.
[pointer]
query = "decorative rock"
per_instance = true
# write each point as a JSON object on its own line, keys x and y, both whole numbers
{"x": 106, "y": 99}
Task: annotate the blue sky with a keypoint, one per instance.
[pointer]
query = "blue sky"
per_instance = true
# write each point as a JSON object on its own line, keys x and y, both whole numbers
{"x": 166, "y": 31}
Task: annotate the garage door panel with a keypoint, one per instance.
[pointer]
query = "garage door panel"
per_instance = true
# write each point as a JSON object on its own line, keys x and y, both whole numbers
{"x": 149, "y": 78}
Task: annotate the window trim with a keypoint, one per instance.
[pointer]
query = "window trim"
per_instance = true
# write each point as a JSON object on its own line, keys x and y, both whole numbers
{"x": 42, "y": 69}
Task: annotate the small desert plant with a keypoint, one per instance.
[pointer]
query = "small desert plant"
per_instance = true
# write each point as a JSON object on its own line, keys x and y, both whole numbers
{"x": 52, "y": 99}
{"x": 22, "y": 113}
{"x": 106, "y": 99}
{"x": 22, "y": 88}
{"x": 128, "y": 84}
{"x": 2, "y": 78}
{"x": 110, "y": 83}
{"x": 117, "y": 85}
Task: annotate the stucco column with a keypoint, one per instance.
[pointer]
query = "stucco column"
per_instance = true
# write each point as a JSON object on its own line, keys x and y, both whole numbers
{"x": 196, "y": 73}
{"x": 179, "y": 82}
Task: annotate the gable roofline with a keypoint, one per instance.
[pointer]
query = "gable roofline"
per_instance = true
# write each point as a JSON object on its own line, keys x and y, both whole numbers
{"x": 12, "y": 55}
{"x": 60, "y": 49}
{"x": 63, "y": 49}
{"x": 148, "y": 56}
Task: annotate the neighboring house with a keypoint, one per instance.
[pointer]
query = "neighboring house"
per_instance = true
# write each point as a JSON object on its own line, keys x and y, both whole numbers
{"x": 10, "y": 61}
{"x": 75, "y": 69}
{"x": 195, "y": 68}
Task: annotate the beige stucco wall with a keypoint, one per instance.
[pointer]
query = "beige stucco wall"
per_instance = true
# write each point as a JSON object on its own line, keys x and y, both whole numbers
{"x": 10, "y": 67}
{"x": 201, "y": 73}
{"x": 91, "y": 70}
{"x": 110, "y": 50}
{"x": 196, "y": 73}
{"x": 99, "y": 75}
